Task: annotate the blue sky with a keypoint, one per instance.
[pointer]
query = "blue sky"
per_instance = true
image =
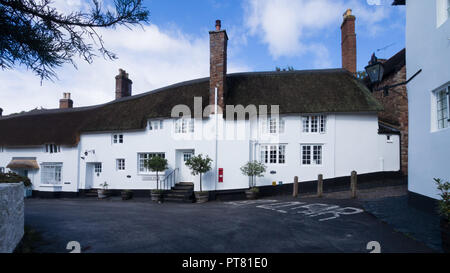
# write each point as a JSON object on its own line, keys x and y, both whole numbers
{"x": 174, "y": 47}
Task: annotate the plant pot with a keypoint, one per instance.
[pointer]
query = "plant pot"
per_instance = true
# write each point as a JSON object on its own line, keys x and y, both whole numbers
{"x": 27, "y": 192}
{"x": 156, "y": 196}
{"x": 102, "y": 194}
{"x": 251, "y": 194}
{"x": 445, "y": 235}
{"x": 202, "y": 197}
{"x": 126, "y": 195}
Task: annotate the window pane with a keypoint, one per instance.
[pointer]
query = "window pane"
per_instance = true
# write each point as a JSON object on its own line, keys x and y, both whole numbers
{"x": 317, "y": 154}
{"x": 323, "y": 121}
{"x": 281, "y": 154}
{"x": 314, "y": 121}
{"x": 273, "y": 154}
{"x": 306, "y": 154}
{"x": 305, "y": 124}
{"x": 264, "y": 154}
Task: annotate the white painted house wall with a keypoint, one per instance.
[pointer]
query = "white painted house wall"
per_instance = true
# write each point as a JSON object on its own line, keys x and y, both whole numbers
{"x": 427, "y": 48}
{"x": 351, "y": 142}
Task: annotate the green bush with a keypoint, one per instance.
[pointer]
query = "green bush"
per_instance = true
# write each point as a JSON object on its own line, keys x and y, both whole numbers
{"x": 444, "y": 203}
{"x": 11, "y": 177}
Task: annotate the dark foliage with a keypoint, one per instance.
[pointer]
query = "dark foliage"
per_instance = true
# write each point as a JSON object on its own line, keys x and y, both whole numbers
{"x": 36, "y": 35}
{"x": 14, "y": 178}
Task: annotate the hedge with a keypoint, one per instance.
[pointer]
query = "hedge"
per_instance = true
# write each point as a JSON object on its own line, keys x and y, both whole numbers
{"x": 11, "y": 177}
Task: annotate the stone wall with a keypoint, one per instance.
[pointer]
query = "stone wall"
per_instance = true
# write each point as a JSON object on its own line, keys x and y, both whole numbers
{"x": 11, "y": 216}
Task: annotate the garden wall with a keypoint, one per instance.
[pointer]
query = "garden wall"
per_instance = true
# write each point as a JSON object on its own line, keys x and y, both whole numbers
{"x": 11, "y": 216}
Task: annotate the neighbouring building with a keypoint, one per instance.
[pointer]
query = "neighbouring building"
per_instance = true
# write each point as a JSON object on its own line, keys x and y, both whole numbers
{"x": 428, "y": 48}
{"x": 394, "y": 119}
{"x": 318, "y": 122}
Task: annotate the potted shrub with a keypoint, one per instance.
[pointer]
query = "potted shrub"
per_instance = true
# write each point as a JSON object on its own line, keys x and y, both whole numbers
{"x": 200, "y": 165}
{"x": 253, "y": 169}
{"x": 156, "y": 164}
{"x": 444, "y": 211}
{"x": 103, "y": 192}
{"x": 126, "y": 194}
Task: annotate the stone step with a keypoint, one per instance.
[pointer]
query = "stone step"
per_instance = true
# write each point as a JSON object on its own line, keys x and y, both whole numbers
{"x": 178, "y": 200}
{"x": 182, "y": 191}
{"x": 180, "y": 187}
{"x": 185, "y": 184}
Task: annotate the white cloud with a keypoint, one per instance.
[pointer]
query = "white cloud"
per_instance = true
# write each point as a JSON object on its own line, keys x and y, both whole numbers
{"x": 287, "y": 25}
{"x": 153, "y": 57}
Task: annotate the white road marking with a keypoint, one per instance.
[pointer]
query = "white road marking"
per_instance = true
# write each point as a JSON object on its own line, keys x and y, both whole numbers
{"x": 296, "y": 207}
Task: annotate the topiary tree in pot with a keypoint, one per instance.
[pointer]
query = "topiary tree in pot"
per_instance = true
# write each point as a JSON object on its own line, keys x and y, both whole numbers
{"x": 200, "y": 165}
{"x": 444, "y": 211}
{"x": 253, "y": 169}
{"x": 156, "y": 164}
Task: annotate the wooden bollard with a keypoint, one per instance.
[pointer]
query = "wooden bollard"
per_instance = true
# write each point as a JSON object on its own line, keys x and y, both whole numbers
{"x": 295, "y": 191}
{"x": 353, "y": 182}
{"x": 320, "y": 185}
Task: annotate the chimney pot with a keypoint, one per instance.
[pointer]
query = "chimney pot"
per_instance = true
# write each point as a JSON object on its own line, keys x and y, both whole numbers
{"x": 65, "y": 102}
{"x": 218, "y": 25}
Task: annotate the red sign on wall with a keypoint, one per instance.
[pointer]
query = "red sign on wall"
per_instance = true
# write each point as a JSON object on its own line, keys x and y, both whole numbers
{"x": 220, "y": 175}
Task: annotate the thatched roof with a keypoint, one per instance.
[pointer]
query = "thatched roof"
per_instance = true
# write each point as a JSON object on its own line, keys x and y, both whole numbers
{"x": 312, "y": 91}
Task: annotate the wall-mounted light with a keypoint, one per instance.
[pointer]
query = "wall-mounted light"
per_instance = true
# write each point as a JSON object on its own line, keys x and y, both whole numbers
{"x": 375, "y": 70}
{"x": 89, "y": 151}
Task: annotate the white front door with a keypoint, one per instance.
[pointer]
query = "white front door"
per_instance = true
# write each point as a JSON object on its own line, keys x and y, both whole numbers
{"x": 185, "y": 172}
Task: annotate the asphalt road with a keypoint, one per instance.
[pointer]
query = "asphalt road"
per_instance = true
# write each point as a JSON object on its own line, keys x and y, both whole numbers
{"x": 273, "y": 225}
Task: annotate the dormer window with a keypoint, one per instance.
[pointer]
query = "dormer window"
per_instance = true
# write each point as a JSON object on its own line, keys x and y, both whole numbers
{"x": 52, "y": 148}
{"x": 184, "y": 125}
{"x": 117, "y": 139}
{"x": 273, "y": 125}
{"x": 155, "y": 125}
{"x": 314, "y": 124}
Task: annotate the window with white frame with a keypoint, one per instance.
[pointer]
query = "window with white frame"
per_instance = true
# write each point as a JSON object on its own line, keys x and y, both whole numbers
{"x": 272, "y": 125}
{"x": 51, "y": 173}
{"x": 311, "y": 154}
{"x": 442, "y": 107}
{"x": 117, "y": 138}
{"x": 120, "y": 164}
{"x": 142, "y": 157}
{"x": 273, "y": 153}
{"x": 2, "y": 169}
{"x": 1, "y": 149}
{"x": 184, "y": 125}
{"x": 52, "y": 148}
{"x": 154, "y": 125}
{"x": 98, "y": 168}
{"x": 314, "y": 124}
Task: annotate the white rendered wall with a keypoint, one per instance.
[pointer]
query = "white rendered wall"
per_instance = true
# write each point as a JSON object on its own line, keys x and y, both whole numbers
{"x": 427, "y": 48}
{"x": 68, "y": 157}
{"x": 351, "y": 142}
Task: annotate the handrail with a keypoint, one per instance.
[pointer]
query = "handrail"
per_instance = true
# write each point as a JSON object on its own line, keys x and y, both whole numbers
{"x": 170, "y": 179}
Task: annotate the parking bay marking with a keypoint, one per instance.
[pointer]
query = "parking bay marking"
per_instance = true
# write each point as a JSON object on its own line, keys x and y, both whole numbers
{"x": 309, "y": 210}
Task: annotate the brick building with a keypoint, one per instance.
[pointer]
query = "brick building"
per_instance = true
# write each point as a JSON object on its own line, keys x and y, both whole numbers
{"x": 394, "y": 118}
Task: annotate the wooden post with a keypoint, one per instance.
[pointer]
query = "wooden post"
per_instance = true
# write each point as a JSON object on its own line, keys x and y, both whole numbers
{"x": 295, "y": 193}
{"x": 320, "y": 185}
{"x": 353, "y": 182}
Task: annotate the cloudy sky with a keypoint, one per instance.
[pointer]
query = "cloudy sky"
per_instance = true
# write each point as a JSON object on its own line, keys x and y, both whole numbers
{"x": 174, "y": 46}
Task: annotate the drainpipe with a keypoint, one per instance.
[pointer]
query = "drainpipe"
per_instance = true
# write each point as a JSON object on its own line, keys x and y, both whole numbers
{"x": 216, "y": 140}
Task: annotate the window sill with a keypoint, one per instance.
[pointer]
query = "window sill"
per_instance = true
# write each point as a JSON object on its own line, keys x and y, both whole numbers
{"x": 50, "y": 186}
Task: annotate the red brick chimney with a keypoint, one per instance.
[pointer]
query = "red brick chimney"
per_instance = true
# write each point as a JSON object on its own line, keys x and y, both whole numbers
{"x": 123, "y": 84}
{"x": 65, "y": 102}
{"x": 218, "y": 40}
{"x": 348, "y": 42}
